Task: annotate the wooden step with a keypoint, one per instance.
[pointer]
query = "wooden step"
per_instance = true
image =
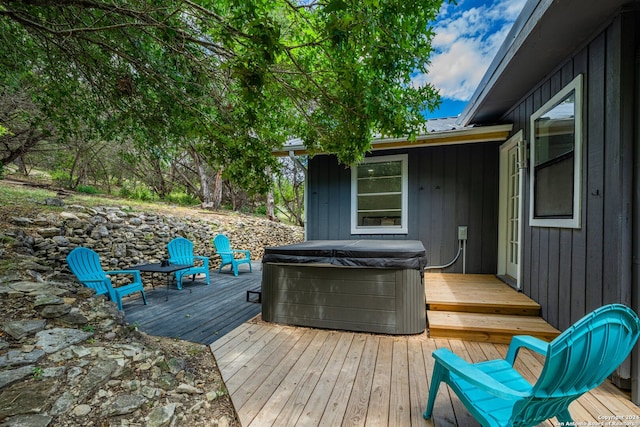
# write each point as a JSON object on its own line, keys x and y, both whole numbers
{"x": 476, "y": 293}
{"x": 496, "y": 328}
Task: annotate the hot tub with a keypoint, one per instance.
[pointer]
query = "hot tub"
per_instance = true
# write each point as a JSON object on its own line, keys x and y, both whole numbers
{"x": 356, "y": 285}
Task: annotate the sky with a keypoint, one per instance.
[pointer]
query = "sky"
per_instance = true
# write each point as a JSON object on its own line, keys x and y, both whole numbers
{"x": 468, "y": 35}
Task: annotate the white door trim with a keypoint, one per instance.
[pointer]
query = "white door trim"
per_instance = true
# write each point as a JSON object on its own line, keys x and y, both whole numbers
{"x": 516, "y": 140}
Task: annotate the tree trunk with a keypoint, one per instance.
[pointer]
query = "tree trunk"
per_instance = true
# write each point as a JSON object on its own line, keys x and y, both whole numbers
{"x": 217, "y": 189}
{"x": 271, "y": 215}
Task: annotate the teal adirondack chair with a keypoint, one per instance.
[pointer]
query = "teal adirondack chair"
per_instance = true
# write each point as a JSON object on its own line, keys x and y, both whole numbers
{"x": 223, "y": 247}
{"x": 181, "y": 252}
{"x": 578, "y": 360}
{"x": 85, "y": 264}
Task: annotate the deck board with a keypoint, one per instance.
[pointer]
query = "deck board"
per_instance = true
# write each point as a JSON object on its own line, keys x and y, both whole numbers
{"x": 480, "y": 293}
{"x": 497, "y": 328}
{"x": 285, "y": 375}
{"x": 198, "y": 312}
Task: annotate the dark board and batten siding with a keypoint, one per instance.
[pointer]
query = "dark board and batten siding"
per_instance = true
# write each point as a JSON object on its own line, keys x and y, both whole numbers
{"x": 570, "y": 272}
{"x": 448, "y": 186}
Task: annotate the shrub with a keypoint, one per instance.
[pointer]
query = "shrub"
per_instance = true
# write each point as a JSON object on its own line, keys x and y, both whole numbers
{"x": 142, "y": 194}
{"x": 88, "y": 189}
{"x": 181, "y": 198}
{"x": 61, "y": 178}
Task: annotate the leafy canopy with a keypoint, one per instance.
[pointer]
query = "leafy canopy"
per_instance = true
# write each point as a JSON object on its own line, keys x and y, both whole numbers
{"x": 235, "y": 78}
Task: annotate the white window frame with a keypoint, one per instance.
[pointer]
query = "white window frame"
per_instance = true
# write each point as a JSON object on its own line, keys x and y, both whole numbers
{"x": 381, "y": 229}
{"x": 575, "y": 221}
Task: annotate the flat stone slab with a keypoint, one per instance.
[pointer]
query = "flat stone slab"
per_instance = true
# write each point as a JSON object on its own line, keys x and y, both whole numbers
{"x": 52, "y": 340}
{"x": 21, "y": 328}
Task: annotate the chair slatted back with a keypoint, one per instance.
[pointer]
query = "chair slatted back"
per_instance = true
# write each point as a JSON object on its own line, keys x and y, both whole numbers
{"x": 85, "y": 264}
{"x": 223, "y": 247}
{"x": 181, "y": 251}
{"x": 580, "y": 359}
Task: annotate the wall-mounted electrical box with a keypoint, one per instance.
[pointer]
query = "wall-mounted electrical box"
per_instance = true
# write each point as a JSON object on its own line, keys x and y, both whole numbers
{"x": 462, "y": 232}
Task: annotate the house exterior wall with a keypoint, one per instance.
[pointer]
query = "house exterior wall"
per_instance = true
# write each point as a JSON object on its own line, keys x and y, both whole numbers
{"x": 448, "y": 186}
{"x": 573, "y": 271}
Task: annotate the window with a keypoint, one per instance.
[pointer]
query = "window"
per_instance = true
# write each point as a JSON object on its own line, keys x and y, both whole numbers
{"x": 379, "y": 195}
{"x": 556, "y": 159}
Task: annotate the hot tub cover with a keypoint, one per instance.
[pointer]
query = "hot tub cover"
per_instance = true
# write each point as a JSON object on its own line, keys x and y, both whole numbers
{"x": 392, "y": 254}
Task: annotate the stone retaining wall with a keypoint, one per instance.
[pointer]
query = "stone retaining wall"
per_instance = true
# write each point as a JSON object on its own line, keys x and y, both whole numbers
{"x": 124, "y": 238}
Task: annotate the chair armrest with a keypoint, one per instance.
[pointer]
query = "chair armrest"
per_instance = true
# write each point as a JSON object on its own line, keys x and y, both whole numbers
{"x": 135, "y": 273}
{"x": 204, "y": 259}
{"x": 93, "y": 281}
{"x": 473, "y": 375}
{"x": 527, "y": 341}
{"x": 241, "y": 251}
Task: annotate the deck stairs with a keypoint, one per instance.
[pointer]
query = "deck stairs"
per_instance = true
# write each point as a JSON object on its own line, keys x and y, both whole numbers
{"x": 480, "y": 307}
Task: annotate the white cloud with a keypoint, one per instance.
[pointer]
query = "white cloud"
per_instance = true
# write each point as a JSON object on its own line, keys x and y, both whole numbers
{"x": 467, "y": 38}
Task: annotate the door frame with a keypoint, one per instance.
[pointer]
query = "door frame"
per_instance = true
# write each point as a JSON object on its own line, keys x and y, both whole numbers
{"x": 517, "y": 140}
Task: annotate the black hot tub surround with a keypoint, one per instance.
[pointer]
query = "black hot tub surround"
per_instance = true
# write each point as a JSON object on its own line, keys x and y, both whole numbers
{"x": 357, "y": 285}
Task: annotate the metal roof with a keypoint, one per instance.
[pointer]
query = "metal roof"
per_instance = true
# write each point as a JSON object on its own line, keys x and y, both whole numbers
{"x": 444, "y": 131}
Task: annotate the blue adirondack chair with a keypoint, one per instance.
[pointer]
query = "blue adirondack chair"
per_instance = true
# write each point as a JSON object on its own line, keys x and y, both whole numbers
{"x": 181, "y": 252}
{"x": 223, "y": 247}
{"x": 578, "y": 360}
{"x": 85, "y": 264}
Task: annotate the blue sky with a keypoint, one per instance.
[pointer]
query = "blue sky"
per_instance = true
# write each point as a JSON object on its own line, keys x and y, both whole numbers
{"x": 468, "y": 35}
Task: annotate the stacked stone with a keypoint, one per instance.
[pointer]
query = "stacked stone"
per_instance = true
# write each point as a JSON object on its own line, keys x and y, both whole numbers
{"x": 124, "y": 238}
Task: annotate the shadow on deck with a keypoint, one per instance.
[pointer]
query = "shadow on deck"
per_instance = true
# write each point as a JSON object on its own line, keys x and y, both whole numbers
{"x": 198, "y": 312}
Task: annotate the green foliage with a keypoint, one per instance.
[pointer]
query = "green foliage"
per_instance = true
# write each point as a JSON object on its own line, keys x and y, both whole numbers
{"x": 61, "y": 178}
{"x": 181, "y": 198}
{"x": 140, "y": 193}
{"x": 261, "y": 210}
{"x": 88, "y": 189}
{"x": 37, "y": 372}
{"x": 7, "y": 266}
{"x": 227, "y": 80}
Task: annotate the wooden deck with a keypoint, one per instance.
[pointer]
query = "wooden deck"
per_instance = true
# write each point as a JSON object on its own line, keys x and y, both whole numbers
{"x": 283, "y": 375}
{"x": 198, "y": 312}
{"x": 480, "y": 307}
{"x": 476, "y": 293}
{"x": 290, "y": 376}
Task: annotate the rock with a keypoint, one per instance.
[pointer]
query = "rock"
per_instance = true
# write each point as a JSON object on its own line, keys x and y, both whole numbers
{"x": 69, "y": 216}
{"x": 49, "y": 231}
{"x": 54, "y": 311}
{"x": 19, "y": 358}
{"x": 26, "y": 397}
{"x": 63, "y": 404}
{"x": 47, "y": 299}
{"x": 189, "y": 389}
{"x": 25, "y": 286}
{"x": 53, "y": 340}
{"x": 81, "y": 410}
{"x": 19, "y": 329}
{"x": 35, "y": 420}
{"x": 22, "y": 222}
{"x": 161, "y": 415}
{"x": 108, "y": 373}
{"x": 75, "y": 317}
{"x": 123, "y": 405}
{"x": 10, "y": 376}
{"x": 51, "y": 201}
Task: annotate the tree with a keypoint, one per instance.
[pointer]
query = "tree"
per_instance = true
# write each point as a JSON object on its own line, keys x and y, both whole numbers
{"x": 289, "y": 195}
{"x": 242, "y": 76}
